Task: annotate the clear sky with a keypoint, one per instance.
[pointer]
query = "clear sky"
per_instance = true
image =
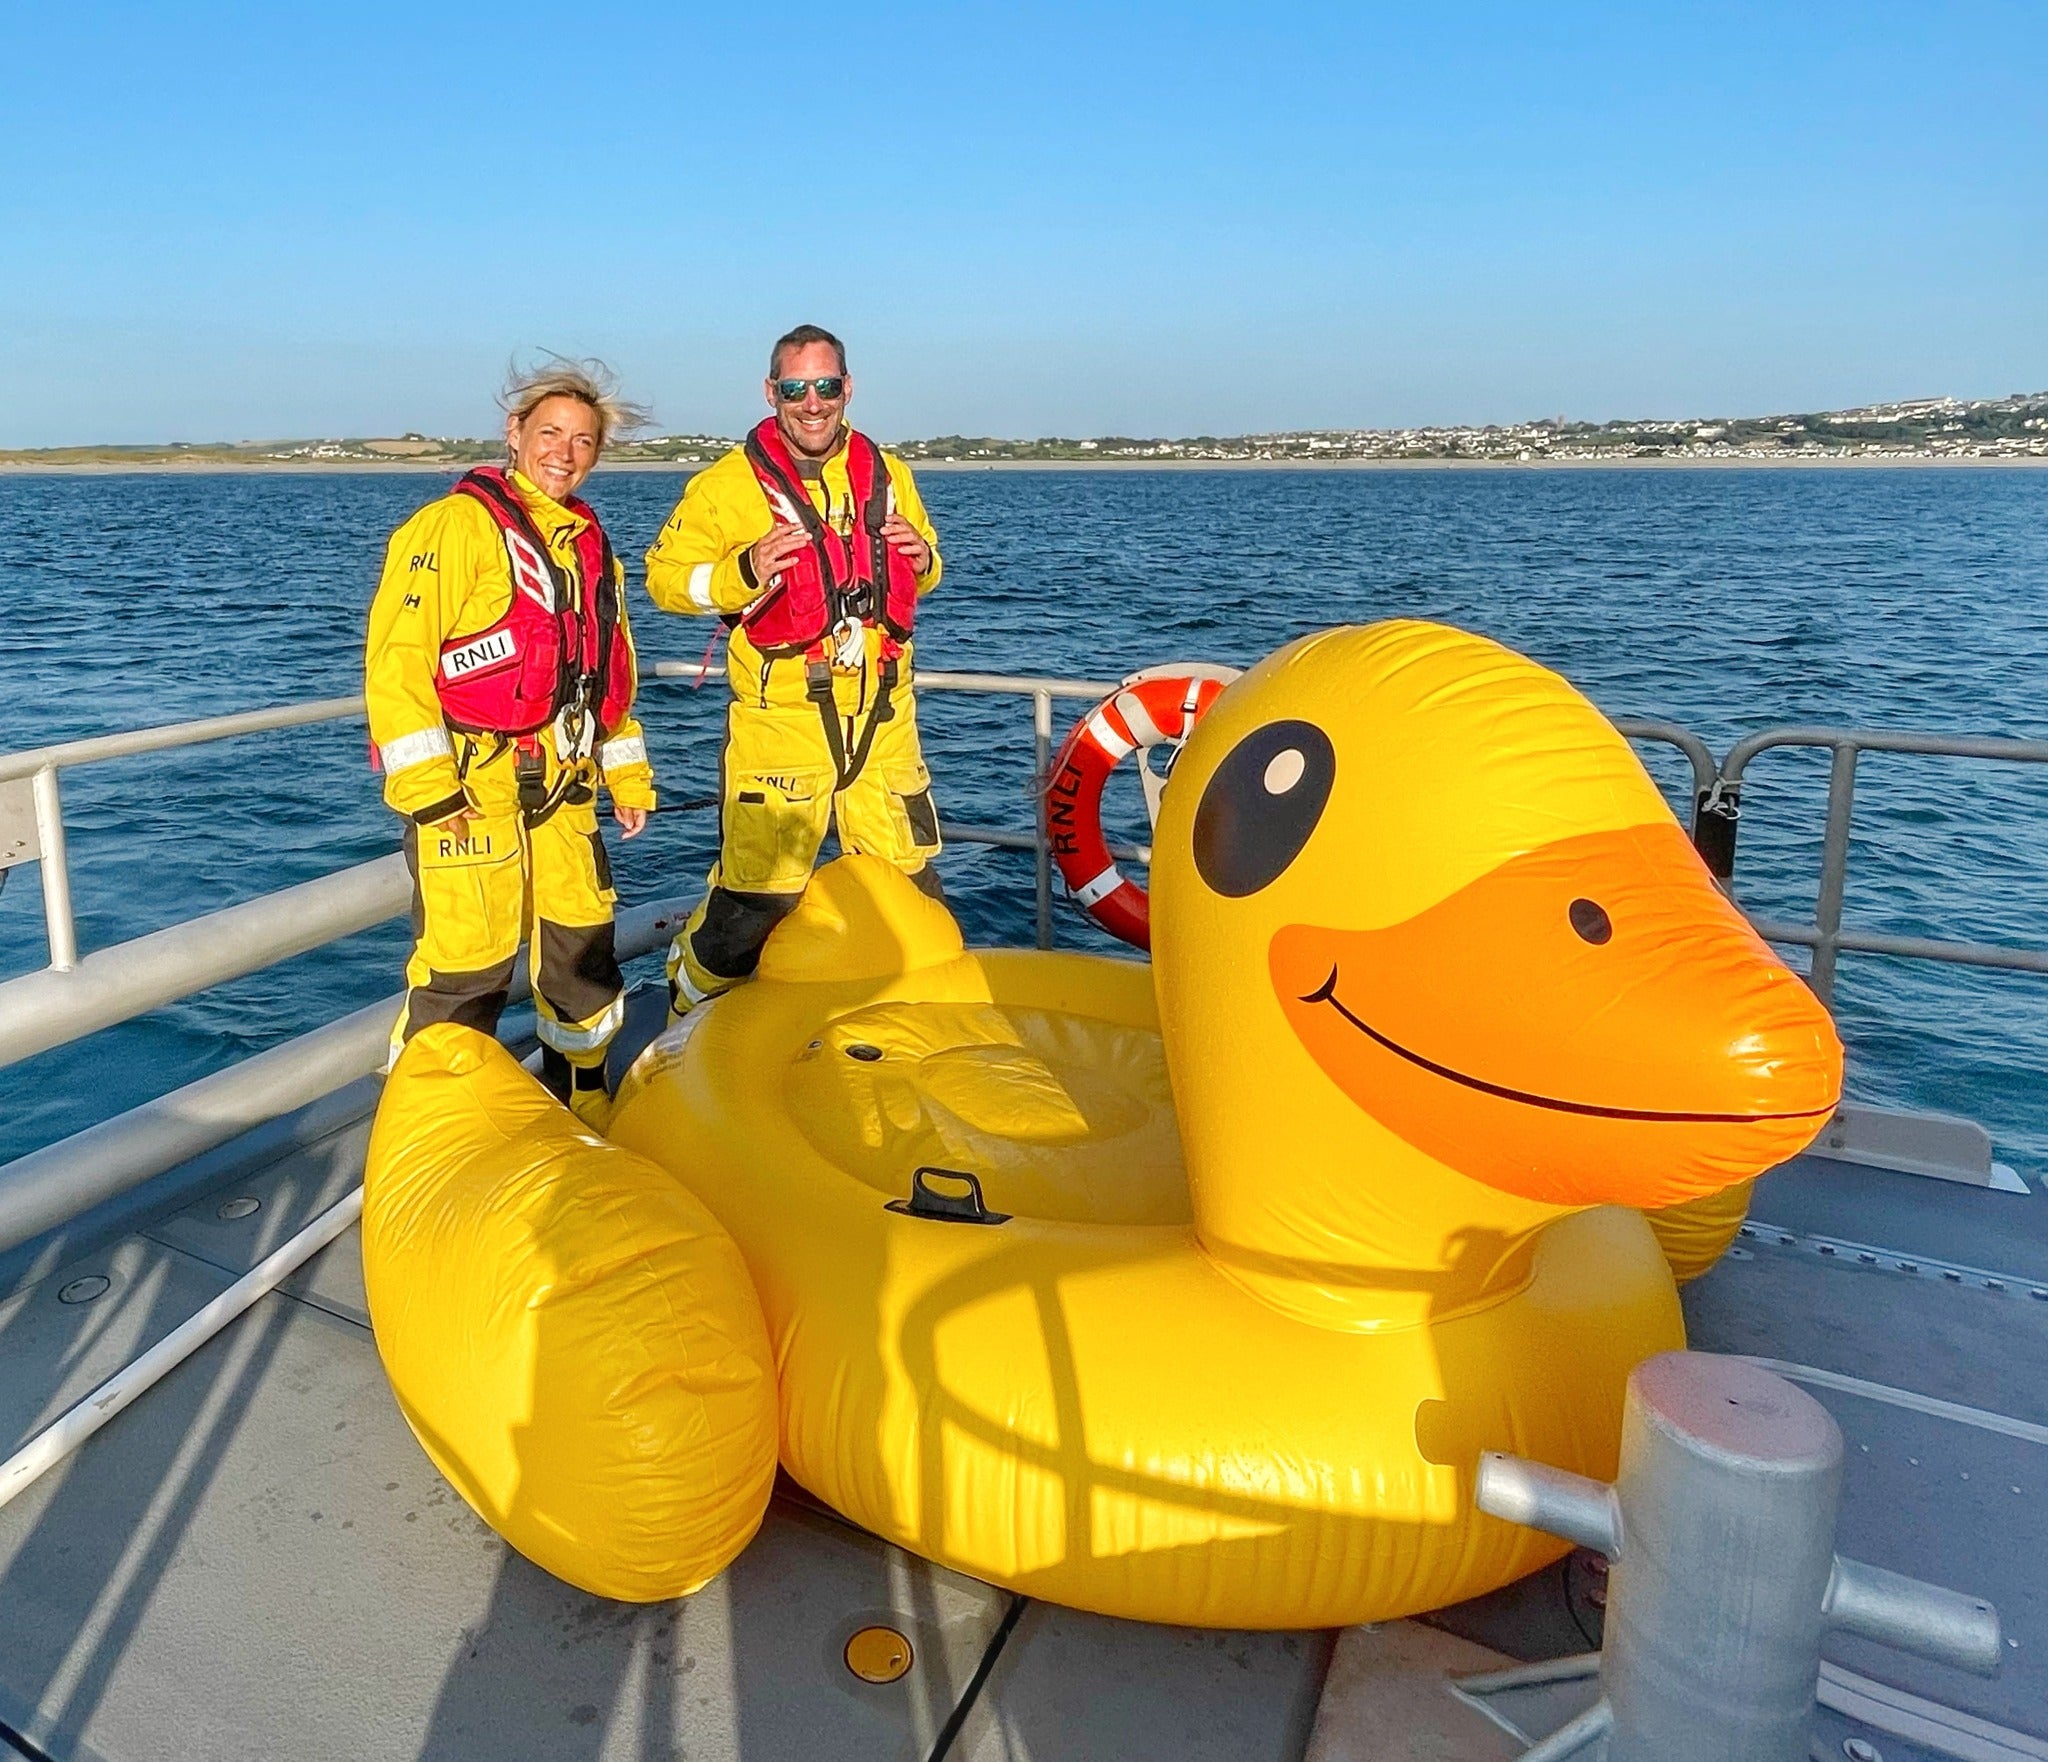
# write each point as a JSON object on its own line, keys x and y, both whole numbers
{"x": 222, "y": 222}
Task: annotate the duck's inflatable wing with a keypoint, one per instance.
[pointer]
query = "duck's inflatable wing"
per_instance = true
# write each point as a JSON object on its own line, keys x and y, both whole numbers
{"x": 571, "y": 1336}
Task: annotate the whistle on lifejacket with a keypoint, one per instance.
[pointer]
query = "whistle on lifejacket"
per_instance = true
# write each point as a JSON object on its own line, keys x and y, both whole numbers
{"x": 849, "y": 645}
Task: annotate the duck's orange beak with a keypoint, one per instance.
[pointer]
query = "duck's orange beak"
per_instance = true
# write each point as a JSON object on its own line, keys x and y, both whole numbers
{"x": 1590, "y": 1024}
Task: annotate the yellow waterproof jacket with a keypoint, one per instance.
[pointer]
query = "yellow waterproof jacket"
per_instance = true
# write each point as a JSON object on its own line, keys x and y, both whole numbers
{"x": 446, "y": 576}
{"x": 694, "y": 566}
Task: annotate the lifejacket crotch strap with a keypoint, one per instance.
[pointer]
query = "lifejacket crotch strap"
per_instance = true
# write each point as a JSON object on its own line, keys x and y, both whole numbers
{"x": 818, "y": 676}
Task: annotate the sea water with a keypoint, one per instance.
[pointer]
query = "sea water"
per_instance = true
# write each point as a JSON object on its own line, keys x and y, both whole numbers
{"x": 1725, "y": 600}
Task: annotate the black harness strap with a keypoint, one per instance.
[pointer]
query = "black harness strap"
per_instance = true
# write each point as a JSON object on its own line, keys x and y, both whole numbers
{"x": 818, "y": 688}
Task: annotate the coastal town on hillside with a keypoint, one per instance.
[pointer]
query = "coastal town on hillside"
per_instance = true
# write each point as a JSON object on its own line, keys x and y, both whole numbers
{"x": 1931, "y": 429}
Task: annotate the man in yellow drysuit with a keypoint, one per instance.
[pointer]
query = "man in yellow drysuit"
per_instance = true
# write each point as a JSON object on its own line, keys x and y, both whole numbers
{"x": 500, "y": 676}
{"x": 814, "y": 546}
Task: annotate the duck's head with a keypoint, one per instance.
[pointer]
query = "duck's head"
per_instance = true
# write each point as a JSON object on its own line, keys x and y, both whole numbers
{"x": 1416, "y": 903}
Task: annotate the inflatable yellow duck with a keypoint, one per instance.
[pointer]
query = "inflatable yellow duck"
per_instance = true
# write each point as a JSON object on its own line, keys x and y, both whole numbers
{"x": 570, "y": 1335}
{"x": 1194, "y": 1293}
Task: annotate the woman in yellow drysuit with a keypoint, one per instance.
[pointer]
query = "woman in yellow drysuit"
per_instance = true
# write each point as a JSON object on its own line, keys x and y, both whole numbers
{"x": 814, "y": 546}
{"x": 500, "y": 673}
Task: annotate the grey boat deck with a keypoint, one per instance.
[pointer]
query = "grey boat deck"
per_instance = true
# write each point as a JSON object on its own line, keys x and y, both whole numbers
{"x": 257, "y": 1561}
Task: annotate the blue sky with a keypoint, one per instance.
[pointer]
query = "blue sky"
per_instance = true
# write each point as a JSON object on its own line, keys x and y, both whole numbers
{"x": 233, "y": 222}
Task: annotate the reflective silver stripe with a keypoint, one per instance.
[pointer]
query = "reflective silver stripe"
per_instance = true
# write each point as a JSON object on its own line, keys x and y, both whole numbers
{"x": 565, "y": 1039}
{"x": 692, "y": 993}
{"x": 698, "y": 588}
{"x": 679, "y": 974}
{"x": 616, "y": 754}
{"x": 1138, "y": 719}
{"x": 415, "y": 749}
{"x": 667, "y": 1046}
{"x": 1107, "y": 737}
{"x": 1101, "y": 887}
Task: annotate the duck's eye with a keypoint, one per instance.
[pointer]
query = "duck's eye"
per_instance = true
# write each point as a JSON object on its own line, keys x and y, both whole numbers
{"x": 1261, "y": 805}
{"x": 1591, "y": 921}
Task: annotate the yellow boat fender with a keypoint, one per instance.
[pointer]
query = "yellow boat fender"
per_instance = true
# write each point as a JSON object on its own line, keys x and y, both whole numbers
{"x": 570, "y": 1335}
{"x": 1346, "y": 1189}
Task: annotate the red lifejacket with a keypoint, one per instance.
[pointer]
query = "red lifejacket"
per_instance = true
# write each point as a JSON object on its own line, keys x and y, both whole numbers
{"x": 857, "y": 576}
{"x": 561, "y": 644}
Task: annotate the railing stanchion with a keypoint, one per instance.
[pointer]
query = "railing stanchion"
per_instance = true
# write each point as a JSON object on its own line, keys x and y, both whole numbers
{"x": 1041, "y": 770}
{"x": 1834, "y": 871}
{"x": 57, "y": 918}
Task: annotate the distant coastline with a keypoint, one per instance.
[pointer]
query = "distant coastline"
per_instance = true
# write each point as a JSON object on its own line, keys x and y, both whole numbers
{"x": 212, "y": 467}
{"x": 1925, "y": 431}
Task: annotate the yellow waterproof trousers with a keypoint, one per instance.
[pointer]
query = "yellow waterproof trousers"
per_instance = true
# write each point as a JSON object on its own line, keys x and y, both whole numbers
{"x": 777, "y": 796}
{"x": 476, "y": 898}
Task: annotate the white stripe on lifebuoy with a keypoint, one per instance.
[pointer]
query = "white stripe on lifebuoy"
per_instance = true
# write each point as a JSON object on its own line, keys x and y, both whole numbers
{"x": 1112, "y": 743}
{"x": 1138, "y": 719}
{"x": 1101, "y": 887}
{"x": 1148, "y": 710}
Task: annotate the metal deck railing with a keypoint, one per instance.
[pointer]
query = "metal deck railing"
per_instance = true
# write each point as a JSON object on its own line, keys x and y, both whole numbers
{"x": 1720, "y": 805}
{"x": 76, "y": 994}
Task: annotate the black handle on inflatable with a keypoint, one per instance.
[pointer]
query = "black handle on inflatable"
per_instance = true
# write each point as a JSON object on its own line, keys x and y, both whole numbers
{"x": 927, "y": 1201}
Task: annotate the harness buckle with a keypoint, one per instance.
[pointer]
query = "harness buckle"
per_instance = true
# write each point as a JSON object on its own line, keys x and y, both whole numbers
{"x": 530, "y": 769}
{"x": 858, "y": 599}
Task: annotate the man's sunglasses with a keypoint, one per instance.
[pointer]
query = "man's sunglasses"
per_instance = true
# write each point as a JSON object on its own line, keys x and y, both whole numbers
{"x": 791, "y": 391}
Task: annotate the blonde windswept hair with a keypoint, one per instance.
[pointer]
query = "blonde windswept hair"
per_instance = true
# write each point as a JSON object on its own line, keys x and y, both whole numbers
{"x": 588, "y": 381}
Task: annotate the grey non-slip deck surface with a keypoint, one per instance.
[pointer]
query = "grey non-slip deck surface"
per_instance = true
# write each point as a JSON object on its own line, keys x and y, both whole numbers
{"x": 1973, "y": 1226}
{"x": 1937, "y": 1497}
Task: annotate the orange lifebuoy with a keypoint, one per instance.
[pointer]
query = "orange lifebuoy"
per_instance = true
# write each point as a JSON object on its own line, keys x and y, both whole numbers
{"x": 1150, "y": 709}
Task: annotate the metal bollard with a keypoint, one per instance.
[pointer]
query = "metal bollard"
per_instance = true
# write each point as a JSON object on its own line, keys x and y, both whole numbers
{"x": 1721, "y": 1529}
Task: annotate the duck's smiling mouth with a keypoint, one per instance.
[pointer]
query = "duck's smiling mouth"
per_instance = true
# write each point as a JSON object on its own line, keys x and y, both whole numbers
{"x": 1327, "y": 993}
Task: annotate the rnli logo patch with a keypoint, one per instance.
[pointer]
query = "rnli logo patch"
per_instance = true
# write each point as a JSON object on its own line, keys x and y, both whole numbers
{"x": 474, "y": 657}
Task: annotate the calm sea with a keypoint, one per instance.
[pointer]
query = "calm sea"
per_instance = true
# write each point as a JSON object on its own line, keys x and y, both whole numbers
{"x": 1724, "y": 600}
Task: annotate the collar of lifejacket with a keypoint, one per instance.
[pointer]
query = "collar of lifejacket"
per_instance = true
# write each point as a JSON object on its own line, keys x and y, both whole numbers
{"x": 541, "y": 508}
{"x": 509, "y": 492}
{"x": 769, "y": 452}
